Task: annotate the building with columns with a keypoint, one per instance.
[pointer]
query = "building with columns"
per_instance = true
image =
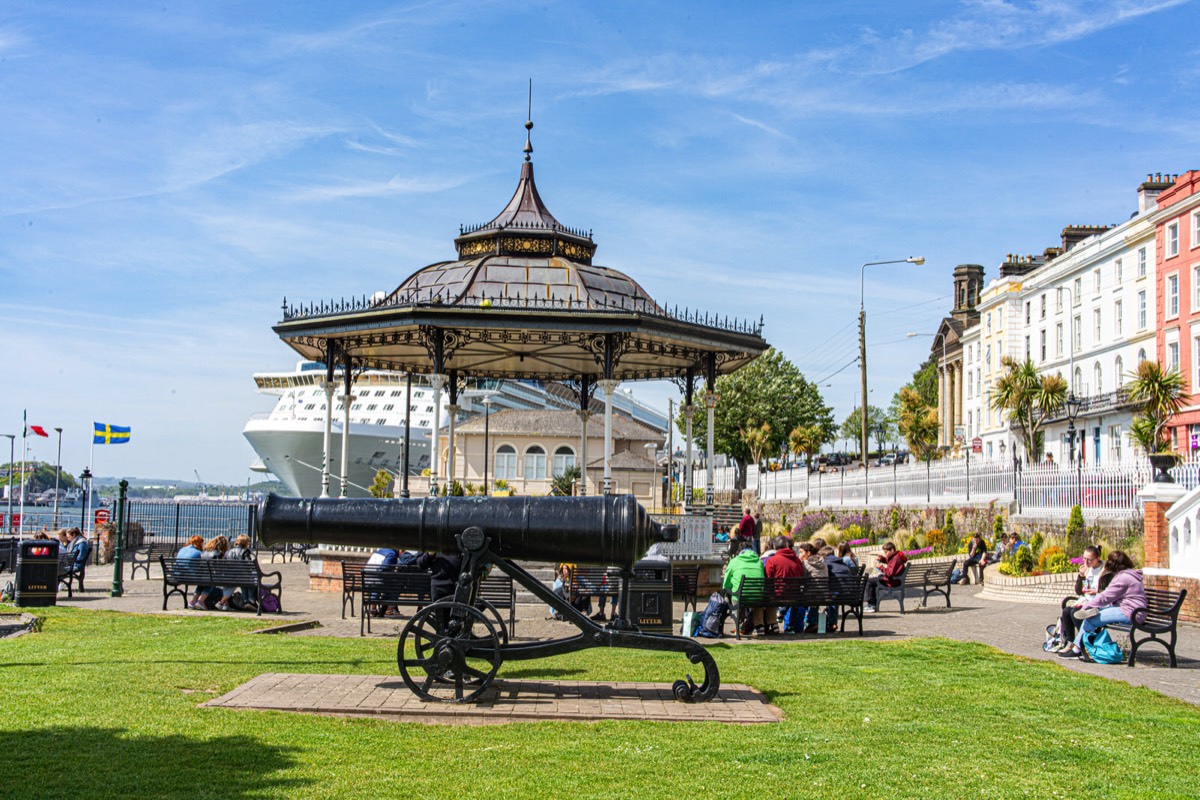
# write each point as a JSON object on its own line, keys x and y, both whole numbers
{"x": 948, "y": 349}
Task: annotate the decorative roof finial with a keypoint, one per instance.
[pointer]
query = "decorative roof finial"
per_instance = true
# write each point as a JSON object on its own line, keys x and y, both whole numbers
{"x": 529, "y": 123}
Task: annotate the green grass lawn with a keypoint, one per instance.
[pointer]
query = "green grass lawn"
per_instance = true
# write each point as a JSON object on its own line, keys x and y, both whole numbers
{"x": 107, "y": 705}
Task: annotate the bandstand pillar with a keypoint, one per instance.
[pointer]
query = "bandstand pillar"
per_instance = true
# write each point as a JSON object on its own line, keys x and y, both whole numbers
{"x": 437, "y": 382}
{"x": 327, "y": 440}
{"x": 710, "y": 401}
{"x": 608, "y": 386}
{"x": 453, "y": 408}
{"x": 347, "y": 399}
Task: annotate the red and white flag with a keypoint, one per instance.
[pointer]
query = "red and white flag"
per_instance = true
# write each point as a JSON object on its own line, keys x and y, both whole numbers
{"x": 39, "y": 430}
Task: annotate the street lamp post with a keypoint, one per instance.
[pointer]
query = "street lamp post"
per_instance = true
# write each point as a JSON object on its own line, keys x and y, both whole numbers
{"x": 12, "y": 439}
{"x": 57, "y": 472}
{"x": 862, "y": 345}
{"x": 1073, "y": 404}
{"x": 487, "y": 418}
{"x": 86, "y": 480}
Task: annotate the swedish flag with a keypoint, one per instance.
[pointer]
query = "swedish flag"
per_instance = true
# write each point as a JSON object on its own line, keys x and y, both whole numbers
{"x": 109, "y": 434}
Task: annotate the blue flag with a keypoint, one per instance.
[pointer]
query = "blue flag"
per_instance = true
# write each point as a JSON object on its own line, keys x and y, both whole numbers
{"x": 109, "y": 434}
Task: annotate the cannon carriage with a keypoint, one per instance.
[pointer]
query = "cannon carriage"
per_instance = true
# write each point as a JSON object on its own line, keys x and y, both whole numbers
{"x": 451, "y": 650}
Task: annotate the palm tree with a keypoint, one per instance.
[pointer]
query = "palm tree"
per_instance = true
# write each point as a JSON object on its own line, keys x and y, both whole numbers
{"x": 757, "y": 439}
{"x": 806, "y": 440}
{"x": 1158, "y": 393}
{"x": 1030, "y": 398}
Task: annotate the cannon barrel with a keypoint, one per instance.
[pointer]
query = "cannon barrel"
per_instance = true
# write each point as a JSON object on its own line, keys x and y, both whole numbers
{"x": 609, "y": 530}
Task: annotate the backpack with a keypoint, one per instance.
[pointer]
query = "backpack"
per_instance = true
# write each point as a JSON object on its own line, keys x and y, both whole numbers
{"x": 1102, "y": 648}
{"x": 267, "y": 601}
{"x": 713, "y": 620}
{"x": 6, "y": 596}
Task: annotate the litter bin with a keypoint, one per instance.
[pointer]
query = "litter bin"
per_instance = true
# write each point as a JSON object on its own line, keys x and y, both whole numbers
{"x": 37, "y": 573}
{"x": 650, "y": 596}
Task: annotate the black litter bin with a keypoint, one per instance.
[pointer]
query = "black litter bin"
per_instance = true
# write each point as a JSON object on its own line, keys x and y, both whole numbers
{"x": 650, "y": 596}
{"x": 37, "y": 573}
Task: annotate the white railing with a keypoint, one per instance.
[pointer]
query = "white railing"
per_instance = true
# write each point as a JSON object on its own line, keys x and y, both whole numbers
{"x": 1047, "y": 490}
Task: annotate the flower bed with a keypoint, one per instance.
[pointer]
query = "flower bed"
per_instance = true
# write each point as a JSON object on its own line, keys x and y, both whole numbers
{"x": 1047, "y": 589}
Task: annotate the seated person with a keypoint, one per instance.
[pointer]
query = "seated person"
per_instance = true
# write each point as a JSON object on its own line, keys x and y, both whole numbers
{"x": 240, "y": 551}
{"x": 1001, "y": 547}
{"x": 383, "y": 557}
{"x": 1014, "y": 543}
{"x": 815, "y": 567}
{"x": 81, "y": 548}
{"x": 890, "y": 564}
{"x": 976, "y": 553}
{"x": 746, "y": 563}
{"x": 192, "y": 549}
{"x": 1122, "y": 596}
{"x": 561, "y": 587}
{"x": 784, "y": 563}
{"x": 214, "y": 548}
{"x": 1086, "y": 585}
{"x": 839, "y": 571}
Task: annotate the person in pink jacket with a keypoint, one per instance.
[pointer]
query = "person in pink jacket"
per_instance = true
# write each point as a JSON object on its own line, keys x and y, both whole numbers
{"x": 1121, "y": 595}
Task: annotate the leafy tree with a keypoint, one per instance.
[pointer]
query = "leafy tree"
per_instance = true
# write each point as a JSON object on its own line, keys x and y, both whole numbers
{"x": 1030, "y": 398}
{"x": 876, "y": 417}
{"x": 806, "y": 440}
{"x": 925, "y": 383}
{"x": 770, "y": 390}
{"x": 918, "y": 424}
{"x": 382, "y": 485}
{"x": 1158, "y": 393}
{"x": 564, "y": 483}
{"x": 757, "y": 439}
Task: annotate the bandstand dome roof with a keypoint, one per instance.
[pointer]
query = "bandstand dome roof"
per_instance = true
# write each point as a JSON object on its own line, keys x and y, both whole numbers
{"x": 523, "y": 300}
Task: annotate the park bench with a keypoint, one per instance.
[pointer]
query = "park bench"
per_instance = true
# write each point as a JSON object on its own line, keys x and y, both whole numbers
{"x": 1159, "y": 619}
{"x": 592, "y": 581}
{"x": 380, "y": 587}
{"x": 288, "y": 551}
{"x": 182, "y": 575}
{"x": 500, "y": 593}
{"x": 142, "y": 556}
{"x": 846, "y": 594}
{"x": 8, "y": 554}
{"x": 69, "y": 573}
{"x": 930, "y": 579}
{"x": 684, "y": 584}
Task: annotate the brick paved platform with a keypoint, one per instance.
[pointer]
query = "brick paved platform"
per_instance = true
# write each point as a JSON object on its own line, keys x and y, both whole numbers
{"x": 505, "y": 701}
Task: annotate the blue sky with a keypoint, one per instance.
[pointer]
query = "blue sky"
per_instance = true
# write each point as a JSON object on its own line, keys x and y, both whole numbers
{"x": 172, "y": 171}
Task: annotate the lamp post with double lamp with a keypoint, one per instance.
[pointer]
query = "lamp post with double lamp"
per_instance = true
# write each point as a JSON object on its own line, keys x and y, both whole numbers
{"x": 862, "y": 346}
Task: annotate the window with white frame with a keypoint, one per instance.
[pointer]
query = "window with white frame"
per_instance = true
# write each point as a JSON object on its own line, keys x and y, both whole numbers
{"x": 1096, "y": 324}
{"x": 1172, "y": 240}
{"x": 1195, "y": 232}
{"x": 987, "y": 357}
{"x": 1141, "y": 355}
{"x": 970, "y": 386}
{"x": 1077, "y": 381}
{"x": 1119, "y": 269}
{"x": 1172, "y": 296}
{"x": 989, "y": 322}
{"x": 1077, "y": 294}
{"x": 535, "y": 463}
{"x": 1043, "y": 306}
{"x": 1119, "y": 317}
{"x": 1196, "y": 360}
{"x": 970, "y": 424}
{"x": 1077, "y": 334}
{"x": 1058, "y": 296}
{"x": 1042, "y": 344}
{"x": 1028, "y": 306}
{"x": 1119, "y": 368}
{"x": 1115, "y": 434}
{"x": 1141, "y": 262}
{"x": 506, "y": 462}
{"x": 1142, "y": 310}
{"x": 1096, "y": 281}
{"x": 1195, "y": 288}
{"x": 1058, "y": 340}
{"x": 564, "y": 459}
{"x": 1172, "y": 355}
{"x": 1027, "y": 354}
{"x": 1098, "y": 379}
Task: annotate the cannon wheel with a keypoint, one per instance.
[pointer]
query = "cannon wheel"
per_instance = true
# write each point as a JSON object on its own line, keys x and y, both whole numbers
{"x": 493, "y": 614}
{"x": 454, "y": 659}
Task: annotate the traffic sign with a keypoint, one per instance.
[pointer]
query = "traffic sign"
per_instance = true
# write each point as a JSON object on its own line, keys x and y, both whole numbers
{"x": 977, "y": 445}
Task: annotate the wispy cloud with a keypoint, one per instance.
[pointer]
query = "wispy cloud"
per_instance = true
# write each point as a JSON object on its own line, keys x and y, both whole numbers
{"x": 393, "y": 186}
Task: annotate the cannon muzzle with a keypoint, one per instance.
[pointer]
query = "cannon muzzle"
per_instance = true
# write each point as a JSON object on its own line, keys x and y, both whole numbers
{"x": 611, "y": 530}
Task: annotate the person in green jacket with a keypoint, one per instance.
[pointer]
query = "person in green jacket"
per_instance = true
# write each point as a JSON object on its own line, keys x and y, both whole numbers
{"x": 746, "y": 563}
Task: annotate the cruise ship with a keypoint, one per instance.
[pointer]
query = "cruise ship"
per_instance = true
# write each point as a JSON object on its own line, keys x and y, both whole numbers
{"x": 289, "y": 440}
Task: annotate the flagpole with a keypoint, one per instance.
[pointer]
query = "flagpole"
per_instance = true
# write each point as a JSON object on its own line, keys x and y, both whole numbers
{"x": 87, "y": 501}
{"x": 24, "y": 453}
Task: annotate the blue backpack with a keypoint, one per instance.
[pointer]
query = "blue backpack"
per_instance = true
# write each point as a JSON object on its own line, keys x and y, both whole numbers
{"x": 713, "y": 620}
{"x": 1102, "y": 648}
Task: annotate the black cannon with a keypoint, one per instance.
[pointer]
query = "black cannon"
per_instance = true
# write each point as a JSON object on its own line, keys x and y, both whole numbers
{"x": 456, "y": 647}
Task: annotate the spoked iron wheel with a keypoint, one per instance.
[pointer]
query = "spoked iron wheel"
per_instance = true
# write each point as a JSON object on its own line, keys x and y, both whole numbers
{"x": 493, "y": 614}
{"x": 455, "y": 653}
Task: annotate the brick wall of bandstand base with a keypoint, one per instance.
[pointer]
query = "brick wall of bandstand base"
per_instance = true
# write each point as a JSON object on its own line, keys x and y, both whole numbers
{"x": 325, "y": 567}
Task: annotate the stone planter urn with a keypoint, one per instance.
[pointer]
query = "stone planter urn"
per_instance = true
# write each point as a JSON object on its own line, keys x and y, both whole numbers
{"x": 1162, "y": 463}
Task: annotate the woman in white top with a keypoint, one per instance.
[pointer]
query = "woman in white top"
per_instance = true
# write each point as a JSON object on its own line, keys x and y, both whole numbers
{"x": 1086, "y": 586}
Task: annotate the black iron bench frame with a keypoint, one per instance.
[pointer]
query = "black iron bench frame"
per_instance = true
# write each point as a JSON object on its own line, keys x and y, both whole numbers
{"x": 1161, "y": 616}
{"x": 182, "y": 574}
{"x": 846, "y": 594}
{"x": 931, "y": 579}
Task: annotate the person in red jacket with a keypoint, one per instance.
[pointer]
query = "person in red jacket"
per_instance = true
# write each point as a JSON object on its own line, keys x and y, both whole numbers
{"x": 786, "y": 564}
{"x": 890, "y": 564}
{"x": 746, "y": 532}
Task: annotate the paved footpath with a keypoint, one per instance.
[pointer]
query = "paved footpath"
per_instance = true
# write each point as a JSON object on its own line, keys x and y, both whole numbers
{"x": 1017, "y": 628}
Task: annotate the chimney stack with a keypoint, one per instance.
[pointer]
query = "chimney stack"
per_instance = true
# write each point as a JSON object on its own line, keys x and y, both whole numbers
{"x": 1149, "y": 190}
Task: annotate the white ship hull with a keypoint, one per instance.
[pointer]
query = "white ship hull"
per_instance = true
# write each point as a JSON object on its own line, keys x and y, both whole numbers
{"x": 293, "y": 451}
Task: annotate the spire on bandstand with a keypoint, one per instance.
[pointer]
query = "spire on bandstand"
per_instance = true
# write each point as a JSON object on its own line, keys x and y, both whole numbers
{"x": 529, "y": 123}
